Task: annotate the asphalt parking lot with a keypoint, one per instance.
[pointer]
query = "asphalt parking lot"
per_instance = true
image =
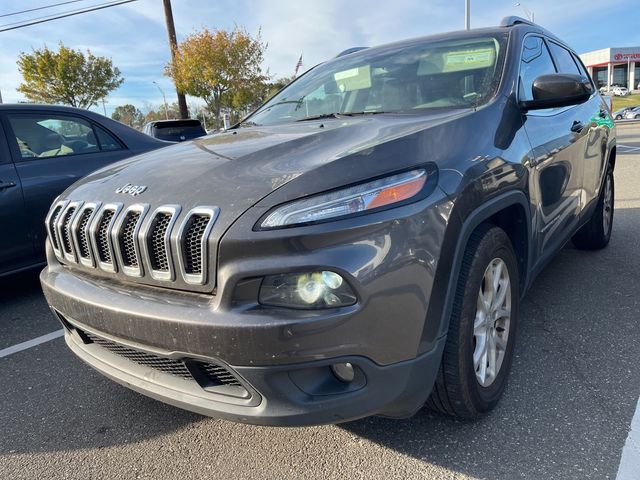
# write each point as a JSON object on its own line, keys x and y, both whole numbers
{"x": 566, "y": 414}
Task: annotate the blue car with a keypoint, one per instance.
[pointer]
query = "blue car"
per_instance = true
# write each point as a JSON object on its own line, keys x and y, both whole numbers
{"x": 43, "y": 150}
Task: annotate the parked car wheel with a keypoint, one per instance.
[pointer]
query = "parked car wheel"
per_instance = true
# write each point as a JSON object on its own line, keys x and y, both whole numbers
{"x": 596, "y": 233}
{"x": 479, "y": 348}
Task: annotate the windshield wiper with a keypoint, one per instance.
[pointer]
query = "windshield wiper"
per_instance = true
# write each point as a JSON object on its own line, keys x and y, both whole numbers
{"x": 247, "y": 123}
{"x": 320, "y": 117}
{"x": 338, "y": 115}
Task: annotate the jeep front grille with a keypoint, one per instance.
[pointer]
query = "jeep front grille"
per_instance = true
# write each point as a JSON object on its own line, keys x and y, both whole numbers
{"x": 165, "y": 247}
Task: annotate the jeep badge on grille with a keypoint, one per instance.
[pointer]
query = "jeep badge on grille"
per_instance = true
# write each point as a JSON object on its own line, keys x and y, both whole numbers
{"x": 132, "y": 189}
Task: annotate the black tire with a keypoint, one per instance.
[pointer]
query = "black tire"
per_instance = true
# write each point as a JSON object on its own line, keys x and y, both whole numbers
{"x": 596, "y": 233}
{"x": 458, "y": 391}
{"x": 618, "y": 117}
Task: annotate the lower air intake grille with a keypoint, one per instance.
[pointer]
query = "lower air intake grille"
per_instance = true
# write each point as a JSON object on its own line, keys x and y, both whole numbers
{"x": 207, "y": 374}
{"x": 192, "y": 246}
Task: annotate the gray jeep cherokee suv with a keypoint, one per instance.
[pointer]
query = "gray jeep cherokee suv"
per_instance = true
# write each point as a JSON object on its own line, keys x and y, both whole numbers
{"x": 357, "y": 246}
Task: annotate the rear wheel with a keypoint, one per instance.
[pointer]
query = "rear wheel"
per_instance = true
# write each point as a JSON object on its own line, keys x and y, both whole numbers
{"x": 480, "y": 342}
{"x": 596, "y": 233}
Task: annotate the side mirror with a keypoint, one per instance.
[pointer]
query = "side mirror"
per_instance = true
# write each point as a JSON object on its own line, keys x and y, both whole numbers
{"x": 558, "y": 90}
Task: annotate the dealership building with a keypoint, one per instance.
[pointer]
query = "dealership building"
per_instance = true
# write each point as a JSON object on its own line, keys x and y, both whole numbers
{"x": 614, "y": 66}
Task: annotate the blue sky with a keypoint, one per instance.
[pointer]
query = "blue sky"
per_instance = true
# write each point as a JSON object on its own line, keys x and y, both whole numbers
{"x": 134, "y": 35}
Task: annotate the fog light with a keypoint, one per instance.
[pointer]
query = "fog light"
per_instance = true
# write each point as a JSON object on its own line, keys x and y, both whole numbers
{"x": 321, "y": 289}
{"x": 343, "y": 371}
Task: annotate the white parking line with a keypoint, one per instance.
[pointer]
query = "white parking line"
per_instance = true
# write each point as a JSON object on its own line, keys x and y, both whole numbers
{"x": 629, "y": 468}
{"x": 629, "y": 148}
{"x": 31, "y": 343}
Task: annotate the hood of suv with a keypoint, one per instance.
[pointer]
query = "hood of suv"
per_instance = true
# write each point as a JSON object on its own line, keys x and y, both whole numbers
{"x": 235, "y": 169}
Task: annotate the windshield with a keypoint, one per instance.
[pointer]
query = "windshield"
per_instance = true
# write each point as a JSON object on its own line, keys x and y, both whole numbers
{"x": 457, "y": 73}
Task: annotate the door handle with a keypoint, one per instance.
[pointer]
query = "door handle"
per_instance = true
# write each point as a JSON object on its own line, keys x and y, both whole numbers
{"x": 577, "y": 127}
{"x": 4, "y": 185}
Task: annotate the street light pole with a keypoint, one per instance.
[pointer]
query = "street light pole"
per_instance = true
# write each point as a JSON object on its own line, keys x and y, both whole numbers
{"x": 166, "y": 108}
{"x": 529, "y": 13}
{"x": 467, "y": 14}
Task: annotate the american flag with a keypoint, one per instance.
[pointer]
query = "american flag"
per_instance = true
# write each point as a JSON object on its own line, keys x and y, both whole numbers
{"x": 298, "y": 65}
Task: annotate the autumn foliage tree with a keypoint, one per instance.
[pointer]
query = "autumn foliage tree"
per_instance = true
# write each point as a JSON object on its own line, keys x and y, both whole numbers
{"x": 223, "y": 68}
{"x": 67, "y": 76}
{"x": 129, "y": 115}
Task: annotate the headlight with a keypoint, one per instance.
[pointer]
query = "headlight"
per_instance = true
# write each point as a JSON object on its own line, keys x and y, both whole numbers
{"x": 322, "y": 289}
{"x": 347, "y": 201}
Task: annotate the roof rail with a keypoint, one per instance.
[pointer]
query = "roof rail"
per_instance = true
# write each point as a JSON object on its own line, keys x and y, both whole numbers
{"x": 350, "y": 50}
{"x": 515, "y": 20}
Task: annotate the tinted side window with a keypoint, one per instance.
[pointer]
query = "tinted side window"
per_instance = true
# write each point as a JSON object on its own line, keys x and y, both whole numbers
{"x": 564, "y": 60}
{"x": 42, "y": 135}
{"x": 107, "y": 141}
{"x": 536, "y": 61}
{"x": 581, "y": 68}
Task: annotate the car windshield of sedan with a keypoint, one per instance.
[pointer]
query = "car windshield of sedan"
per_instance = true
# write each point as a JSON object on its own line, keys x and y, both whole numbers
{"x": 458, "y": 73}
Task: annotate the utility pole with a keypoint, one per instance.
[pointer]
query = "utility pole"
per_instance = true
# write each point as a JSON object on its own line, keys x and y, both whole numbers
{"x": 173, "y": 45}
{"x": 467, "y": 14}
{"x": 104, "y": 108}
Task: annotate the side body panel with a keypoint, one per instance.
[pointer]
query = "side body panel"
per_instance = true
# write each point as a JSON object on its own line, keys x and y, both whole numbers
{"x": 16, "y": 248}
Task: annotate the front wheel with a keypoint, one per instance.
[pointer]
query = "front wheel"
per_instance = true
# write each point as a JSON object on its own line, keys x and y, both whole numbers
{"x": 480, "y": 342}
{"x": 596, "y": 233}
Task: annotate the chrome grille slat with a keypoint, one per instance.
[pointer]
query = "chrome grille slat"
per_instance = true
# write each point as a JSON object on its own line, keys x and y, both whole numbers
{"x": 104, "y": 248}
{"x": 127, "y": 240}
{"x": 84, "y": 250}
{"x": 51, "y": 226}
{"x": 157, "y": 240}
{"x": 66, "y": 230}
{"x": 192, "y": 243}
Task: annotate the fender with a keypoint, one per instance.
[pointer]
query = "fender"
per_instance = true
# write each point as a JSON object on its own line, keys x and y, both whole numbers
{"x": 439, "y": 312}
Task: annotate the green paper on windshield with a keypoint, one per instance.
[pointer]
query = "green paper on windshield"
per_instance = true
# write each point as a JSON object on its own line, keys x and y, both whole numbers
{"x": 469, "y": 59}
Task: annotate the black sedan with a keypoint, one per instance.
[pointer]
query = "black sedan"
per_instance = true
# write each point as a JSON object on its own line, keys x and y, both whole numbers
{"x": 43, "y": 150}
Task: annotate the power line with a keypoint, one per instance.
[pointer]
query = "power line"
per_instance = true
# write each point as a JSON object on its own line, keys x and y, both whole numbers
{"x": 40, "y": 8}
{"x": 70, "y": 13}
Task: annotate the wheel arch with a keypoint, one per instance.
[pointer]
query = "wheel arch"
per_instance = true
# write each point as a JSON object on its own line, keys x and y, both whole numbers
{"x": 509, "y": 211}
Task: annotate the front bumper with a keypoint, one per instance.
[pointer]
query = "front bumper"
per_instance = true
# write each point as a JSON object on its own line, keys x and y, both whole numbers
{"x": 285, "y": 395}
{"x": 297, "y": 392}
{"x": 282, "y": 357}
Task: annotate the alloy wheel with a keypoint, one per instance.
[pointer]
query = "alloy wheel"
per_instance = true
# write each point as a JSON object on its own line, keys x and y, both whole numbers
{"x": 607, "y": 204}
{"x": 491, "y": 324}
